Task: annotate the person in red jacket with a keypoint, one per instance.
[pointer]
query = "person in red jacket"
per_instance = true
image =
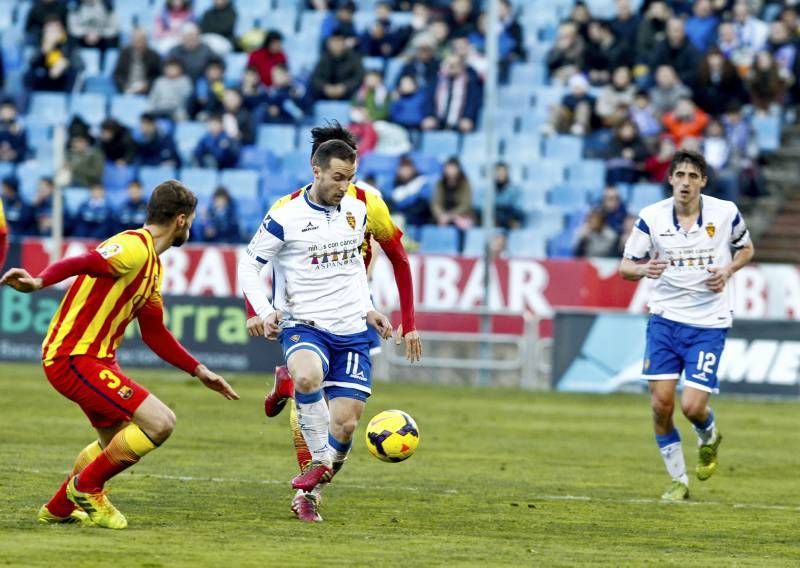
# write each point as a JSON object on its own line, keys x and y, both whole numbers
{"x": 268, "y": 56}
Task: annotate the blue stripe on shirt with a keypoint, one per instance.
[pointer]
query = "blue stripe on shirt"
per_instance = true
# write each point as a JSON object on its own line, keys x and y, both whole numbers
{"x": 642, "y": 226}
{"x": 274, "y": 228}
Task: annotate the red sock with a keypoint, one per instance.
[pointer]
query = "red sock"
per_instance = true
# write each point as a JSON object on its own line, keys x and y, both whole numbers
{"x": 95, "y": 475}
{"x": 124, "y": 450}
{"x": 59, "y": 505}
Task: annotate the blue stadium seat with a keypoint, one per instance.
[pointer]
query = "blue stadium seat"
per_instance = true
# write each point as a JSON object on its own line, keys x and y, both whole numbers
{"x": 258, "y": 159}
{"x": 110, "y": 61}
{"x": 91, "y": 107}
{"x": 28, "y": 173}
{"x": 187, "y": 135}
{"x": 91, "y": 60}
{"x": 6, "y": 14}
{"x": 534, "y": 196}
{"x": 202, "y": 181}
{"x": 587, "y": 173}
{"x": 568, "y": 196}
{"x": 117, "y": 177}
{"x": 49, "y": 107}
{"x": 40, "y": 138}
{"x": 394, "y": 65}
{"x": 128, "y": 108}
{"x": 506, "y": 121}
{"x": 526, "y": 243}
{"x": 426, "y": 164}
{"x": 474, "y": 242}
{"x": 440, "y": 143}
{"x": 522, "y": 148}
{"x": 274, "y": 186}
{"x": 332, "y": 110}
{"x": 296, "y": 163}
{"x": 151, "y": 176}
{"x": 517, "y": 97}
{"x": 378, "y": 165}
{"x": 235, "y": 64}
{"x": 547, "y": 221}
{"x": 242, "y": 184}
{"x": 373, "y": 63}
{"x": 101, "y": 85}
{"x": 74, "y": 197}
{"x": 562, "y": 245}
{"x": 644, "y": 194}
{"x": 473, "y": 146}
{"x": 563, "y": 147}
{"x": 277, "y": 138}
{"x": 768, "y": 132}
{"x": 529, "y": 74}
{"x": 438, "y": 240}
{"x": 546, "y": 171}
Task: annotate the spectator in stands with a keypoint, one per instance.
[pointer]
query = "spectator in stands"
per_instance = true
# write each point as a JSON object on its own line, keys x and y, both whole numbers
{"x": 717, "y": 152}
{"x": 667, "y": 91}
{"x": 474, "y": 59}
{"x": 718, "y": 84}
{"x": 625, "y": 24}
{"x": 507, "y": 211}
{"x": 764, "y": 82}
{"x": 95, "y": 216}
{"x": 84, "y": 161}
{"x": 236, "y": 119}
{"x": 419, "y": 26}
{"x": 566, "y": 56}
{"x": 454, "y": 103}
{"x": 581, "y": 16}
{"x": 701, "y": 27}
{"x": 362, "y": 128}
{"x": 783, "y": 49}
{"x": 252, "y": 91}
{"x": 138, "y": 66}
{"x": 676, "y": 50}
{"x": 94, "y": 24}
{"x": 440, "y": 33}
{"x": 644, "y": 116}
{"x": 604, "y": 52}
{"x": 208, "y": 90}
{"x": 451, "y": 203}
{"x": 193, "y": 54}
{"x": 744, "y": 151}
{"x": 285, "y": 99}
{"x": 56, "y": 64}
{"x": 473, "y": 48}
{"x": 461, "y": 17}
{"x": 595, "y": 238}
{"x": 171, "y": 91}
{"x": 626, "y": 154}
{"x": 217, "y": 149}
{"x": 373, "y": 96}
{"x": 751, "y": 31}
{"x": 153, "y": 147}
{"x": 789, "y": 18}
{"x": 685, "y": 121}
{"x": 614, "y": 210}
{"x": 382, "y": 38}
{"x": 19, "y": 215}
{"x": 268, "y": 56}
{"x": 220, "y": 219}
{"x": 627, "y": 228}
{"x": 408, "y": 103}
{"x": 512, "y": 28}
{"x": 651, "y": 31}
{"x": 423, "y": 66}
{"x": 411, "y": 194}
{"x": 117, "y": 143}
{"x": 730, "y": 46}
{"x": 340, "y": 22}
{"x": 42, "y": 206}
{"x": 133, "y": 211}
{"x": 13, "y": 138}
{"x": 576, "y": 112}
{"x": 40, "y": 13}
{"x": 657, "y": 165}
{"x": 338, "y": 72}
{"x": 168, "y": 25}
{"x": 615, "y": 98}
{"x": 220, "y": 20}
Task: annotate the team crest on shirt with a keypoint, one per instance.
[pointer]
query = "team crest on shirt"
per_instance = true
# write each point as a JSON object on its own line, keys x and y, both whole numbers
{"x": 710, "y": 229}
{"x": 125, "y": 392}
{"x": 295, "y": 338}
{"x": 351, "y": 220}
{"x": 111, "y": 249}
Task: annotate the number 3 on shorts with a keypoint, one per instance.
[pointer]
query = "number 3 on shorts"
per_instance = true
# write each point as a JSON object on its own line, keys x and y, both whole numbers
{"x": 113, "y": 381}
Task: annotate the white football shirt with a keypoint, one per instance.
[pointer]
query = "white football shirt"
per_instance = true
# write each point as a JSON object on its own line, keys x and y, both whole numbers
{"x": 681, "y": 293}
{"x": 318, "y": 270}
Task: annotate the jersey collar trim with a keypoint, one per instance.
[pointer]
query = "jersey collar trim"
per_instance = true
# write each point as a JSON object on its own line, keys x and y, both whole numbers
{"x": 697, "y": 226}
{"x": 316, "y": 207}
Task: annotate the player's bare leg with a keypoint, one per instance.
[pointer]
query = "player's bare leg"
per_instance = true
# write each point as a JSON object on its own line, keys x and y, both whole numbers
{"x": 694, "y": 404}
{"x": 662, "y": 402}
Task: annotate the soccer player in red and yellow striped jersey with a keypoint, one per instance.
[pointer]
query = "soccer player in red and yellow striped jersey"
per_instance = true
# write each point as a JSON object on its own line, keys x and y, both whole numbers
{"x": 3, "y": 236}
{"x": 117, "y": 282}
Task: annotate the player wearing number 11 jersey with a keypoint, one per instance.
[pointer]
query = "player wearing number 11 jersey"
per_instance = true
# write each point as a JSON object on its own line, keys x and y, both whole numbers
{"x": 685, "y": 243}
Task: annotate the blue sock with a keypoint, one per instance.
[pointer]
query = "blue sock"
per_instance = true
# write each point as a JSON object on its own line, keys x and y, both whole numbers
{"x": 705, "y": 428}
{"x": 667, "y": 439}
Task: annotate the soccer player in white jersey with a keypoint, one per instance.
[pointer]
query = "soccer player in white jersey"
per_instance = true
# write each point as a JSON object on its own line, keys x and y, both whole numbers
{"x": 685, "y": 243}
{"x": 322, "y": 305}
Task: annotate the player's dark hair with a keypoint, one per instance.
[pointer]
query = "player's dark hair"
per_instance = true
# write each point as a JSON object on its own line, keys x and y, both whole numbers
{"x": 694, "y": 158}
{"x": 331, "y": 131}
{"x": 170, "y": 199}
{"x": 333, "y": 149}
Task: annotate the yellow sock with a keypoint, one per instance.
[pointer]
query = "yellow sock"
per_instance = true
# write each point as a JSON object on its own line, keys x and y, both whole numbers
{"x": 86, "y": 457}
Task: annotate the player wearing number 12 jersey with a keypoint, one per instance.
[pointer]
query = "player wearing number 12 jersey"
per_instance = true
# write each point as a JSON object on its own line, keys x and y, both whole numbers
{"x": 118, "y": 282}
{"x": 685, "y": 243}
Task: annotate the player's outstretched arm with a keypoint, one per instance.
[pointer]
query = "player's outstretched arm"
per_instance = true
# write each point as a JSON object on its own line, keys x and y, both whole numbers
{"x": 161, "y": 341}
{"x": 413, "y": 343}
{"x": 653, "y": 268}
{"x": 90, "y": 264}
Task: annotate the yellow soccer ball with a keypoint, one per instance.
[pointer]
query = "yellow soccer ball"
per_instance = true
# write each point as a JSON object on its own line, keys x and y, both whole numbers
{"x": 392, "y": 436}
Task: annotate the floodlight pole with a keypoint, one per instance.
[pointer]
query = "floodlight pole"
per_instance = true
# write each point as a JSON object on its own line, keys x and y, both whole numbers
{"x": 488, "y": 217}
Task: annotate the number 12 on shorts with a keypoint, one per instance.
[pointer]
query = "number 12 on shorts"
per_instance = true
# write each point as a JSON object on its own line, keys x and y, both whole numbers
{"x": 706, "y": 362}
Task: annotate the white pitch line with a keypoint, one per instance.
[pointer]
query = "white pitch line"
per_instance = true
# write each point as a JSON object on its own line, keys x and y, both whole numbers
{"x": 532, "y": 498}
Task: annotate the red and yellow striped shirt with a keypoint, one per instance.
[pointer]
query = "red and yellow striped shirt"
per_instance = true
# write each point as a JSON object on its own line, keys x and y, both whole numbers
{"x": 94, "y": 313}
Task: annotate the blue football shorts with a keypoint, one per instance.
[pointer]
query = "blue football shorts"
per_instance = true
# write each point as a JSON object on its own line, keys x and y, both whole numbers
{"x": 346, "y": 366}
{"x": 674, "y": 347}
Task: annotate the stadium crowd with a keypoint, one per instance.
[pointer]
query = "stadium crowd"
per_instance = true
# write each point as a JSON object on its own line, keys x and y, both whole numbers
{"x": 595, "y": 97}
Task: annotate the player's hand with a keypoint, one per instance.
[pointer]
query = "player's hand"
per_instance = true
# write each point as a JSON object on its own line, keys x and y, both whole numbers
{"x": 381, "y": 323}
{"x": 21, "y": 280}
{"x": 719, "y": 277}
{"x": 654, "y": 267}
{"x": 215, "y": 382}
{"x": 255, "y": 327}
{"x": 271, "y": 328}
{"x": 413, "y": 343}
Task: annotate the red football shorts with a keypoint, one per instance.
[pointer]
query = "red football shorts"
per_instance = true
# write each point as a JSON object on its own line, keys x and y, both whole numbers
{"x": 98, "y": 386}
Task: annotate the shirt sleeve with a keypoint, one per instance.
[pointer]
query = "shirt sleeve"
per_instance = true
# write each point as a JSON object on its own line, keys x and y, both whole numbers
{"x": 639, "y": 244}
{"x": 740, "y": 236}
{"x": 124, "y": 253}
{"x": 263, "y": 247}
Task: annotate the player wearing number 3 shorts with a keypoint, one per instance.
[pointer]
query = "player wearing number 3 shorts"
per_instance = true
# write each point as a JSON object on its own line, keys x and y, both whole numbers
{"x": 684, "y": 243}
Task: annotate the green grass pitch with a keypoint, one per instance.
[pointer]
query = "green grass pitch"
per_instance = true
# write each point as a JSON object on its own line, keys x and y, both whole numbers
{"x": 501, "y": 478}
